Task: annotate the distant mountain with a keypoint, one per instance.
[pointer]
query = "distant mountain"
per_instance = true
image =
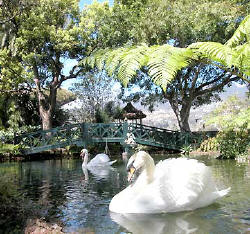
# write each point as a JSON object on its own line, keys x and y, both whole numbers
{"x": 164, "y": 117}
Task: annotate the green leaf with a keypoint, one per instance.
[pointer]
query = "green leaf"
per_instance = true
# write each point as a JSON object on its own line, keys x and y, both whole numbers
{"x": 242, "y": 33}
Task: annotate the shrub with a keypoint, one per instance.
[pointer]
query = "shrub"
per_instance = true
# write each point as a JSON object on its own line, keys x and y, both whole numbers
{"x": 210, "y": 144}
{"x": 7, "y": 135}
{"x": 234, "y": 141}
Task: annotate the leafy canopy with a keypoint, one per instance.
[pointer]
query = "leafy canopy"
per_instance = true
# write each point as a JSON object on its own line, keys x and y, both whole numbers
{"x": 233, "y": 112}
{"x": 164, "y": 61}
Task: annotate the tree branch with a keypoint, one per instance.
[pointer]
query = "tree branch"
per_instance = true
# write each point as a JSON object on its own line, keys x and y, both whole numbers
{"x": 216, "y": 87}
{"x": 212, "y": 81}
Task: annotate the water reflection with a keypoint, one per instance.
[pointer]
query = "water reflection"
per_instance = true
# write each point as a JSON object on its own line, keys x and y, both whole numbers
{"x": 99, "y": 173}
{"x": 161, "y": 224}
{"x": 61, "y": 190}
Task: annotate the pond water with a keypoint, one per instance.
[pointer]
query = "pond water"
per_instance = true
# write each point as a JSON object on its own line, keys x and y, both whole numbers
{"x": 64, "y": 193}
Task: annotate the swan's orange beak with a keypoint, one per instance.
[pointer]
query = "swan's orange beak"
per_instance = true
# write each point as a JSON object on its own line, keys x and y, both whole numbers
{"x": 131, "y": 173}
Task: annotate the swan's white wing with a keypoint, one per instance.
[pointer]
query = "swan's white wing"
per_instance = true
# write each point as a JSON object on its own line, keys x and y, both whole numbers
{"x": 99, "y": 159}
{"x": 181, "y": 182}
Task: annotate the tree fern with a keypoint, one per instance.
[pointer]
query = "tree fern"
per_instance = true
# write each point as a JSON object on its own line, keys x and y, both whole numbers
{"x": 242, "y": 34}
{"x": 237, "y": 57}
{"x": 214, "y": 51}
{"x": 165, "y": 61}
{"x": 131, "y": 60}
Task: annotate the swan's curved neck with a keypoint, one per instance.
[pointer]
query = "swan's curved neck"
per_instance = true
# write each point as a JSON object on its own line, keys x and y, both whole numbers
{"x": 85, "y": 159}
{"x": 150, "y": 168}
{"x": 147, "y": 174}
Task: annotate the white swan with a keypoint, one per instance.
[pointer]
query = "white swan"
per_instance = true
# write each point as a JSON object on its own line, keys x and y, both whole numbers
{"x": 98, "y": 172}
{"x": 172, "y": 185}
{"x": 100, "y": 160}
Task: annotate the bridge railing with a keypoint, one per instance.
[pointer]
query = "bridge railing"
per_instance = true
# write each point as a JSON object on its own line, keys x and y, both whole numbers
{"x": 53, "y": 136}
{"x": 168, "y": 138}
{"x": 153, "y": 135}
{"x": 84, "y": 133}
{"x": 109, "y": 130}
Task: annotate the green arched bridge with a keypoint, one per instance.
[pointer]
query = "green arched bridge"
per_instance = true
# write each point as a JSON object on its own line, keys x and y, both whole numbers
{"x": 87, "y": 133}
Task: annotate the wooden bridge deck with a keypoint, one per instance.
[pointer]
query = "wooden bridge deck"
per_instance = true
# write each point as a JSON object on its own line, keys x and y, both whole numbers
{"x": 87, "y": 133}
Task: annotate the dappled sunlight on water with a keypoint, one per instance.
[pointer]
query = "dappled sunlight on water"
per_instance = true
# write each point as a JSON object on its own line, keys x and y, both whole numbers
{"x": 79, "y": 199}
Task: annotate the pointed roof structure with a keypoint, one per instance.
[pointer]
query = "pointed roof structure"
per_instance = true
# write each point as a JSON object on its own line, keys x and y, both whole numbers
{"x": 129, "y": 112}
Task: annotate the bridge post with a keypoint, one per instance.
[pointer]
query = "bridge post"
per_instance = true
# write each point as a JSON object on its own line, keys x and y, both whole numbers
{"x": 125, "y": 130}
{"x": 127, "y": 148}
{"x": 84, "y": 130}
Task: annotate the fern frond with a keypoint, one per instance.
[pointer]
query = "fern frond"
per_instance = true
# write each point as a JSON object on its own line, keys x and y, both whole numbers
{"x": 214, "y": 51}
{"x": 113, "y": 60}
{"x": 96, "y": 59}
{"x": 241, "y": 60}
{"x": 165, "y": 61}
{"x": 242, "y": 33}
{"x": 131, "y": 61}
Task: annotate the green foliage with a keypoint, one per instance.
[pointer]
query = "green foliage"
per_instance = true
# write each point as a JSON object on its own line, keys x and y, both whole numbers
{"x": 46, "y": 35}
{"x": 236, "y": 59}
{"x": 7, "y": 139}
{"x": 21, "y": 108}
{"x": 232, "y": 112}
{"x": 186, "y": 149}
{"x": 210, "y": 144}
{"x": 10, "y": 148}
{"x": 64, "y": 96}
{"x": 235, "y": 53}
{"x": 234, "y": 141}
{"x": 12, "y": 73}
{"x": 158, "y": 21}
{"x": 233, "y": 119}
{"x": 101, "y": 116}
{"x": 241, "y": 35}
{"x": 163, "y": 62}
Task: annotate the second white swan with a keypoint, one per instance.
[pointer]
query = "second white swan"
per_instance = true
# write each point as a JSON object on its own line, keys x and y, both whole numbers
{"x": 170, "y": 186}
{"x": 100, "y": 160}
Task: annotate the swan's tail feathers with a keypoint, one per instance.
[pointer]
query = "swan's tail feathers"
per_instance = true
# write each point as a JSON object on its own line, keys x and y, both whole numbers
{"x": 224, "y": 192}
{"x": 112, "y": 162}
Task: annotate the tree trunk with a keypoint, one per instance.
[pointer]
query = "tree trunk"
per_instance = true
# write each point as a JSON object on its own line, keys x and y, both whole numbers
{"x": 47, "y": 104}
{"x": 182, "y": 114}
{"x": 46, "y": 119}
